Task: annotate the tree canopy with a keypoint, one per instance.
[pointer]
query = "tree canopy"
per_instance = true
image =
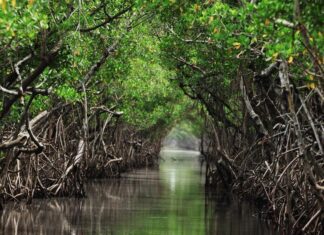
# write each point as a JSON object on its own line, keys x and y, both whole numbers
{"x": 113, "y": 77}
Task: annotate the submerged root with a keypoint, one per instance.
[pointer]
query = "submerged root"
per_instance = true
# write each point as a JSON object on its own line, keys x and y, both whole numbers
{"x": 67, "y": 159}
{"x": 281, "y": 167}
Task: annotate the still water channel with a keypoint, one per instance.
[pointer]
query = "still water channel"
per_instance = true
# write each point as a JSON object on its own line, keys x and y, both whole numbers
{"x": 170, "y": 200}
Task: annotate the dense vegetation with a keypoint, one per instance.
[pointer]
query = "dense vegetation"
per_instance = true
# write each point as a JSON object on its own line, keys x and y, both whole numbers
{"x": 257, "y": 67}
{"x": 83, "y": 94}
{"x": 90, "y": 88}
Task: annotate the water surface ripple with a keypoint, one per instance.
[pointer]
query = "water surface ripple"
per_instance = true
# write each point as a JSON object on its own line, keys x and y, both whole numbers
{"x": 170, "y": 200}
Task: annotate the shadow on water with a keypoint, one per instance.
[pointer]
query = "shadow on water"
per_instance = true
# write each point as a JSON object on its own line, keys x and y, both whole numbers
{"x": 169, "y": 200}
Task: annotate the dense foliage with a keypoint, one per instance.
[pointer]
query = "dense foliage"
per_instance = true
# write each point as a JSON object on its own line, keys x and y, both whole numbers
{"x": 113, "y": 77}
{"x": 257, "y": 67}
{"x": 121, "y": 80}
{"x": 84, "y": 94}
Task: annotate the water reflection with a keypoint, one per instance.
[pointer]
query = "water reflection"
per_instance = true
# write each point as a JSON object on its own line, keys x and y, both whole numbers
{"x": 171, "y": 201}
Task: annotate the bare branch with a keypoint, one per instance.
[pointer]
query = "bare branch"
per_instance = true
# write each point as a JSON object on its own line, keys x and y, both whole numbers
{"x": 107, "y": 21}
{"x": 255, "y": 117}
{"x": 10, "y": 92}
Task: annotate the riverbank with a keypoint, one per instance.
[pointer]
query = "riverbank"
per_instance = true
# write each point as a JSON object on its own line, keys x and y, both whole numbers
{"x": 169, "y": 200}
{"x": 68, "y": 157}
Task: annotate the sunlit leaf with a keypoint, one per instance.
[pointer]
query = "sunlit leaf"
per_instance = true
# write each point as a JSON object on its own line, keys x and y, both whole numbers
{"x": 236, "y": 45}
{"x": 267, "y": 22}
{"x": 196, "y": 7}
{"x": 290, "y": 60}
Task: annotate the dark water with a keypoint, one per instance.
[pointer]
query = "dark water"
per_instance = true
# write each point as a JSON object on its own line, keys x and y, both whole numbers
{"x": 168, "y": 201}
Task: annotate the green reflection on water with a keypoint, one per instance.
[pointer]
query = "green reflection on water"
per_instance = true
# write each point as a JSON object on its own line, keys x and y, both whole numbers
{"x": 180, "y": 207}
{"x": 168, "y": 201}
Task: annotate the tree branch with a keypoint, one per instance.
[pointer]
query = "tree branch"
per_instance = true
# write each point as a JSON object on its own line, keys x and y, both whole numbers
{"x": 107, "y": 21}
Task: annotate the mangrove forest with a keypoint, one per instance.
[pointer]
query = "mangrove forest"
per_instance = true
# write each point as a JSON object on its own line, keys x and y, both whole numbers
{"x": 162, "y": 117}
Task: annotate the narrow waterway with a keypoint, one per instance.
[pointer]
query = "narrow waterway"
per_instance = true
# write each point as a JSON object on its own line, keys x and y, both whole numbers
{"x": 170, "y": 200}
